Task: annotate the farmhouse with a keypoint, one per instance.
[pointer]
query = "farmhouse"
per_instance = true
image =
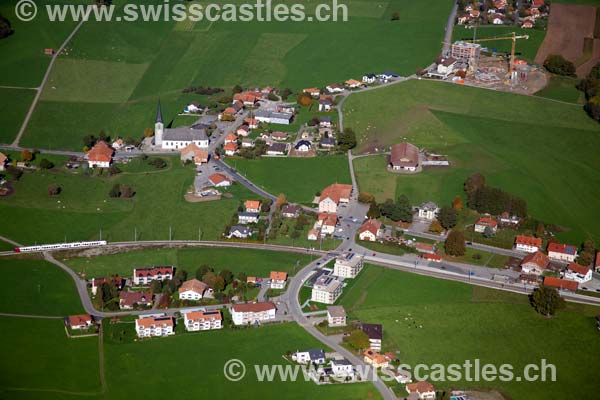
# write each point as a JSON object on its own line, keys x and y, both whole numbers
{"x": 335, "y": 88}
{"x": 404, "y": 157}
{"x": 353, "y": 83}
{"x": 230, "y": 138}
{"x": 312, "y": 356}
{"x": 252, "y": 313}
{"x": 428, "y": 210}
{"x": 194, "y": 153}
{"x": 143, "y": 276}
{"x": 290, "y": 211}
{"x": 325, "y": 122}
{"x": 230, "y": 148}
{"x": 100, "y": 155}
{"x": 281, "y": 136}
{"x": 535, "y": 263}
{"x": 195, "y": 321}
{"x": 375, "y": 334}
{"x": 278, "y": 279}
{"x": 325, "y": 103}
{"x": 375, "y": 359}
{"x": 370, "y": 230}
{"x": 484, "y": 222}
{"x": 313, "y": 234}
{"x": 327, "y": 223}
{"x": 334, "y": 195}
{"x": 273, "y": 117}
{"x": 578, "y": 273}
{"x": 81, "y": 321}
{"x": 243, "y": 131}
{"x": 154, "y": 326}
{"x": 248, "y": 98}
{"x": 326, "y": 289}
{"x": 128, "y": 300}
{"x": 562, "y": 252}
{"x": 194, "y": 290}
{"x": 528, "y": 243}
{"x": 96, "y": 282}
{"x": 219, "y": 180}
{"x": 240, "y": 232}
{"x": 247, "y": 142}
{"x": 348, "y": 265}
{"x": 561, "y": 284}
{"x": 507, "y": 219}
{"x": 245, "y": 218}
{"x": 327, "y": 142}
{"x": 336, "y": 316}
{"x": 424, "y": 390}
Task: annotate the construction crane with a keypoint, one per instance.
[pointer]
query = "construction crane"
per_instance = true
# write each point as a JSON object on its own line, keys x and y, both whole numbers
{"x": 514, "y": 39}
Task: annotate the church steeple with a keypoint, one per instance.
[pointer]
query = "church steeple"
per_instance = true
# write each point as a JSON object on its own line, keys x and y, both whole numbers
{"x": 159, "y": 117}
{"x": 158, "y": 126}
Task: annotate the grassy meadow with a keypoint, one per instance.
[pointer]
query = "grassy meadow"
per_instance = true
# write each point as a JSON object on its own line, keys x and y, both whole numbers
{"x": 562, "y": 88}
{"x": 136, "y": 63}
{"x": 14, "y": 104}
{"x": 298, "y": 178}
{"x": 539, "y": 149}
{"x": 434, "y": 321}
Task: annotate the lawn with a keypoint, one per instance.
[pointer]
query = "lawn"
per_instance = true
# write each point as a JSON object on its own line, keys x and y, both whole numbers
{"x": 40, "y": 362}
{"x": 435, "y": 321}
{"x": 14, "y": 104}
{"x": 37, "y": 287}
{"x": 200, "y": 358}
{"x": 250, "y": 261}
{"x": 298, "y": 178}
{"x": 84, "y": 210}
{"x": 562, "y": 88}
{"x": 457, "y": 121}
{"x": 114, "y": 83}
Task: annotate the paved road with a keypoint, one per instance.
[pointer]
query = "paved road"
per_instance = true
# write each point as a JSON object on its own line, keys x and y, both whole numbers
{"x": 40, "y": 89}
{"x": 449, "y": 29}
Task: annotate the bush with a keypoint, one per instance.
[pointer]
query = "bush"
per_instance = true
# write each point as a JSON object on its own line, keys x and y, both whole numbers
{"x": 557, "y": 64}
{"x": 46, "y": 164}
{"x": 54, "y": 189}
{"x": 113, "y": 170}
{"x": 158, "y": 163}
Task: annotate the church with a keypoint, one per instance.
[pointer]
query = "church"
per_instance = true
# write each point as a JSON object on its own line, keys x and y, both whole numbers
{"x": 177, "y": 138}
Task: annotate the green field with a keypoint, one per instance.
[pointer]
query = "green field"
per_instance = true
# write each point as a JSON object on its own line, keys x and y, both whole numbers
{"x": 83, "y": 209}
{"x": 40, "y": 362}
{"x": 545, "y": 166}
{"x": 562, "y": 88}
{"x": 37, "y": 287}
{"x": 252, "y": 262}
{"x": 114, "y": 83}
{"x": 434, "y": 321}
{"x": 14, "y": 104}
{"x": 298, "y": 178}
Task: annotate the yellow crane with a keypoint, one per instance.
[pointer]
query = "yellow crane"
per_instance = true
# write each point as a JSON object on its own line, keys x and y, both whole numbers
{"x": 514, "y": 39}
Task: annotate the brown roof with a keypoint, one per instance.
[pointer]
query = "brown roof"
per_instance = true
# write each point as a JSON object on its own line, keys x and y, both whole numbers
{"x": 141, "y": 272}
{"x": 538, "y": 258}
{"x": 194, "y": 285}
{"x": 81, "y": 319}
{"x": 130, "y": 298}
{"x": 336, "y": 192}
{"x": 561, "y": 283}
{"x": 597, "y": 264}
{"x": 371, "y": 225}
{"x": 336, "y": 311}
{"x": 420, "y": 387}
{"x": 199, "y": 154}
{"x": 231, "y": 136}
{"x": 404, "y": 155}
{"x": 528, "y": 240}
{"x": 101, "y": 152}
{"x": 424, "y": 246}
{"x": 253, "y": 307}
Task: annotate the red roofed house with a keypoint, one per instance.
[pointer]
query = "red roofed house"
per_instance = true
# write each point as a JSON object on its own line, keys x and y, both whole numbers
{"x": 143, "y": 276}
{"x": 578, "y": 273}
{"x": 314, "y": 92}
{"x": 250, "y": 313}
{"x": 333, "y": 195}
{"x": 100, "y": 155}
{"x": 425, "y": 248}
{"x": 562, "y": 284}
{"x": 252, "y": 123}
{"x": 375, "y": 359}
{"x": 484, "y": 223}
{"x": 404, "y": 156}
{"x": 562, "y": 252}
{"x": 81, "y": 321}
{"x": 252, "y": 206}
{"x": 202, "y": 320}
{"x": 230, "y": 148}
{"x": 278, "y": 279}
{"x": 96, "y": 282}
{"x": 327, "y": 223}
{"x": 219, "y": 180}
{"x": 370, "y": 230}
{"x": 194, "y": 153}
{"x": 194, "y": 290}
{"x": 432, "y": 257}
{"x": 154, "y": 326}
{"x": 535, "y": 263}
{"x": 423, "y": 389}
{"x": 528, "y": 243}
{"x": 127, "y": 300}
{"x": 230, "y": 138}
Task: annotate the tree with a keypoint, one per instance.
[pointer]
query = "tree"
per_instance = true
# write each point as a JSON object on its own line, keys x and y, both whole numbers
{"x": 286, "y": 93}
{"x": 295, "y": 234}
{"x": 127, "y": 192}
{"x": 113, "y": 170}
{"x": 109, "y": 293}
{"x": 401, "y": 210}
{"x": 46, "y": 164}
{"x": 357, "y": 339}
{"x": 546, "y": 300}
{"x": 448, "y": 217}
{"x": 219, "y": 284}
{"x": 436, "y": 227}
{"x": 156, "y": 286}
{"x": 346, "y": 139}
{"x": 236, "y": 89}
{"x": 115, "y": 191}
{"x": 265, "y": 205}
{"x": 474, "y": 182}
{"x": 201, "y": 271}
{"x": 54, "y": 189}
{"x": 366, "y": 198}
{"x": 148, "y": 132}
{"x": 395, "y": 16}
{"x": 488, "y": 232}
{"x": 587, "y": 253}
{"x": 227, "y": 276}
{"x": 557, "y": 64}
{"x": 26, "y": 155}
{"x": 455, "y": 243}
{"x": 304, "y": 100}
{"x": 5, "y": 27}
{"x": 281, "y": 201}
{"x": 89, "y": 141}
{"x": 374, "y": 211}
{"x": 540, "y": 230}
{"x": 210, "y": 278}
{"x": 457, "y": 203}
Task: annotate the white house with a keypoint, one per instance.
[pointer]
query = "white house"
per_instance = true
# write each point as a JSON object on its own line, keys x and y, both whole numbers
{"x": 325, "y": 104}
{"x": 81, "y": 321}
{"x": 312, "y": 356}
{"x": 143, "y": 276}
{"x": 336, "y": 316}
{"x": 303, "y": 146}
{"x": 194, "y": 290}
{"x": 578, "y": 273}
{"x": 278, "y": 279}
{"x": 348, "y": 265}
{"x": 528, "y": 243}
{"x": 154, "y": 326}
{"x": 245, "y": 218}
{"x": 369, "y": 78}
{"x": 202, "y": 320}
{"x": 535, "y": 263}
{"x": 335, "y": 88}
{"x": 219, "y": 180}
{"x": 370, "y": 230}
{"x": 446, "y": 66}
{"x": 239, "y": 232}
{"x": 342, "y": 367}
{"x": 562, "y": 252}
{"x": 326, "y": 290}
{"x": 251, "y": 313}
{"x": 428, "y": 210}
{"x": 424, "y": 390}
{"x": 484, "y": 222}
{"x": 100, "y": 155}
{"x": 334, "y": 195}
{"x": 375, "y": 334}
{"x": 193, "y": 107}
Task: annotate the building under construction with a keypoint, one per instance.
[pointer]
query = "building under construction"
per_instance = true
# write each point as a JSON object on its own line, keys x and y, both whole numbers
{"x": 465, "y": 51}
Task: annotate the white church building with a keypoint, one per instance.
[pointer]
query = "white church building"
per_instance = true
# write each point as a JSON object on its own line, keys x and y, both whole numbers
{"x": 177, "y": 138}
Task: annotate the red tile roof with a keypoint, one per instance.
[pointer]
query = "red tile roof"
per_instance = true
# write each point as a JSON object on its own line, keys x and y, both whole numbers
{"x": 487, "y": 221}
{"x": 130, "y": 298}
{"x": 336, "y": 192}
{"x": 420, "y": 387}
{"x": 538, "y": 258}
{"x": 230, "y": 146}
{"x": 424, "y": 247}
{"x": 215, "y": 179}
{"x": 561, "y": 283}
{"x": 528, "y": 241}
{"x": 150, "y": 322}
{"x": 580, "y": 269}
{"x": 404, "y": 155}
{"x": 81, "y": 319}
{"x": 562, "y": 248}
{"x": 194, "y": 285}
{"x": 432, "y": 257}
{"x": 143, "y": 272}
{"x": 597, "y": 260}
{"x": 371, "y": 225}
{"x": 252, "y": 204}
{"x": 101, "y": 152}
{"x": 278, "y": 275}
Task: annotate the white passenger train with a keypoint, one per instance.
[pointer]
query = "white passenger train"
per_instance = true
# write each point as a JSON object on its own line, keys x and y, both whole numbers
{"x": 59, "y": 246}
